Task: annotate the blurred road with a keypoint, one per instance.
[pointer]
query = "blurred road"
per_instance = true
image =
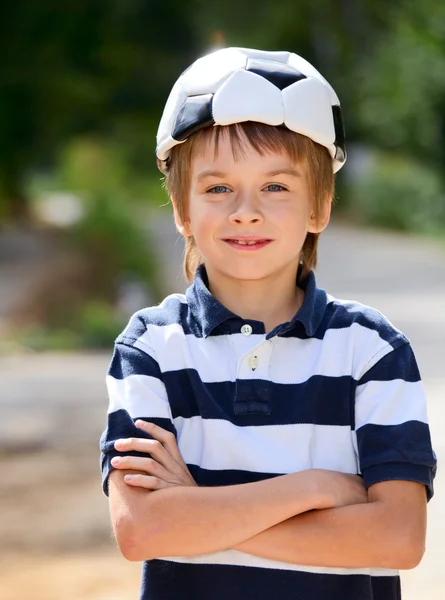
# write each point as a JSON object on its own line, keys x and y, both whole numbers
{"x": 58, "y": 402}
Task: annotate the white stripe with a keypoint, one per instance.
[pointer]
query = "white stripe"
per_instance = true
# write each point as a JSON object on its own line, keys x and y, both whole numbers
{"x": 212, "y": 357}
{"x": 139, "y": 395}
{"x": 341, "y": 352}
{"x": 234, "y": 557}
{"x": 144, "y": 313}
{"x": 390, "y": 403}
{"x": 217, "y": 444}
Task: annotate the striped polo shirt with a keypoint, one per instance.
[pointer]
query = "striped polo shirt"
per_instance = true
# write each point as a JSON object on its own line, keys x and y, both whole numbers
{"x": 337, "y": 388}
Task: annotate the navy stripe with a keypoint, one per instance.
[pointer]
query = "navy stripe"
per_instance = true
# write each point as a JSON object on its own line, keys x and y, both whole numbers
{"x": 129, "y": 360}
{"x": 212, "y": 478}
{"x": 165, "y": 580}
{"x": 121, "y": 425}
{"x": 398, "y": 364}
{"x": 319, "y": 400}
{"x": 401, "y": 472}
{"x": 406, "y": 442}
{"x": 341, "y": 315}
{"x": 387, "y": 445}
{"x": 171, "y": 312}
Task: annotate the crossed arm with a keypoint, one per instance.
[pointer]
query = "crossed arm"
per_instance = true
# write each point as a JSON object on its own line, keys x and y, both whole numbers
{"x": 388, "y": 532}
{"x": 315, "y": 517}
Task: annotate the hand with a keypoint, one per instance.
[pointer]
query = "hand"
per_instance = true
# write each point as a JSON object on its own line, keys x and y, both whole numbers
{"x": 165, "y": 468}
{"x": 339, "y": 489}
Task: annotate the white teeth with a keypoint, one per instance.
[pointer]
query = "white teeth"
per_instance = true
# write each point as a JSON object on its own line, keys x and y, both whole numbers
{"x": 245, "y": 243}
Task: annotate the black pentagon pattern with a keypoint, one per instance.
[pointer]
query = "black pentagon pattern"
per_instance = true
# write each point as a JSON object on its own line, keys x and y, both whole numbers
{"x": 280, "y": 74}
{"x": 196, "y": 113}
{"x": 340, "y": 138}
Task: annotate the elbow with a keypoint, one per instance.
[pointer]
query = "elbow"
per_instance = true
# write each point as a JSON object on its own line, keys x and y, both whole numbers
{"x": 131, "y": 550}
{"x": 411, "y": 556}
{"x": 406, "y": 554}
{"x": 131, "y": 553}
{"x": 129, "y": 542}
{"x": 412, "y": 541}
{"x": 404, "y": 561}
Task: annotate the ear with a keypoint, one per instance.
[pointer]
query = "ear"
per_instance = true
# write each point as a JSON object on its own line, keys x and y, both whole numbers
{"x": 317, "y": 225}
{"x": 184, "y": 228}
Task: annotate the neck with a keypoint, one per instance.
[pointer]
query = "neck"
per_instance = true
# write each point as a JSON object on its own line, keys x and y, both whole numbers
{"x": 272, "y": 300}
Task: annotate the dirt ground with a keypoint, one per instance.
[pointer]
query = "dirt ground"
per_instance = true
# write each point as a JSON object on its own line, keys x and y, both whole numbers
{"x": 98, "y": 575}
{"x": 55, "y": 538}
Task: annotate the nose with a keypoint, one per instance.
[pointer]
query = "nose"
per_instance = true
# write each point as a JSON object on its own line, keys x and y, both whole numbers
{"x": 246, "y": 210}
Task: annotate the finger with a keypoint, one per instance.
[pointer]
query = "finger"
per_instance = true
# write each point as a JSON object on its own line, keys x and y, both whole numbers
{"x": 138, "y": 463}
{"x": 145, "y": 481}
{"x": 167, "y": 438}
{"x": 147, "y": 465}
{"x": 153, "y": 447}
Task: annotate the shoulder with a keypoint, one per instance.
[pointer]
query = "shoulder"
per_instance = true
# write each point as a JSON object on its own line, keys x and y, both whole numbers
{"x": 366, "y": 330}
{"x": 347, "y": 314}
{"x": 173, "y": 313}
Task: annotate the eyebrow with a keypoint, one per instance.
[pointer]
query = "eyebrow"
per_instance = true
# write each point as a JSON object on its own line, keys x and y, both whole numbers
{"x": 210, "y": 173}
{"x": 286, "y": 171}
{"x": 289, "y": 171}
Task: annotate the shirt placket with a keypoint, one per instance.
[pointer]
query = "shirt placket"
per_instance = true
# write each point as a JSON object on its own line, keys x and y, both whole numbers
{"x": 253, "y": 388}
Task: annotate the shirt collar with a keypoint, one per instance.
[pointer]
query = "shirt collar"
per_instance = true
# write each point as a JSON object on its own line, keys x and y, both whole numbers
{"x": 210, "y": 313}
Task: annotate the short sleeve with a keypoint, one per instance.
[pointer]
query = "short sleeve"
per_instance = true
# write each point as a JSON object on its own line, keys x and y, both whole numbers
{"x": 136, "y": 391}
{"x": 393, "y": 436}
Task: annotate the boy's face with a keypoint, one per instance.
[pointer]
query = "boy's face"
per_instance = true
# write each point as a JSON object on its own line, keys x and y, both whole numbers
{"x": 262, "y": 197}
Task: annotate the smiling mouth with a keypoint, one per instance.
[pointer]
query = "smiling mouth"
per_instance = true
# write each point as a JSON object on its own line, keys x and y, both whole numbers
{"x": 248, "y": 244}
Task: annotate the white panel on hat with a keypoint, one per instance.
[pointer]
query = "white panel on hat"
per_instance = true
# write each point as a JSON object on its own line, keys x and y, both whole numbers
{"x": 176, "y": 99}
{"x": 246, "y": 96}
{"x": 209, "y": 72}
{"x": 165, "y": 145}
{"x": 302, "y": 65}
{"x": 265, "y": 55}
{"x": 307, "y": 109}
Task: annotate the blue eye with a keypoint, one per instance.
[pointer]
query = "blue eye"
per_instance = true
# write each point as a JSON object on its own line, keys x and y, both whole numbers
{"x": 274, "y": 187}
{"x": 218, "y": 189}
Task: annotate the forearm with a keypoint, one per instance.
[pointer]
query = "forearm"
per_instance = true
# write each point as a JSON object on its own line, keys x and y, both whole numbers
{"x": 185, "y": 521}
{"x": 354, "y": 536}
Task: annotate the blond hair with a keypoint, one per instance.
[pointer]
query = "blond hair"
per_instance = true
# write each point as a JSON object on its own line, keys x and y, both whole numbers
{"x": 263, "y": 139}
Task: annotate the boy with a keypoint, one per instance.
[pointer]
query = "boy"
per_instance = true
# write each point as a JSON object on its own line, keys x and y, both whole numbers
{"x": 265, "y": 440}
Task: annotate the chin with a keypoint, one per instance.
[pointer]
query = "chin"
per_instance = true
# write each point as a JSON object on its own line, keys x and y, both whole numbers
{"x": 246, "y": 272}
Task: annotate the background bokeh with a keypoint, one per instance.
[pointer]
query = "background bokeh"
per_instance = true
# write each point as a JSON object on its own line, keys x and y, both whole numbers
{"x": 87, "y": 237}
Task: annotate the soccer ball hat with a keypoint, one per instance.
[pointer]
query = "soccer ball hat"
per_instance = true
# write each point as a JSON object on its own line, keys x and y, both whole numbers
{"x": 233, "y": 85}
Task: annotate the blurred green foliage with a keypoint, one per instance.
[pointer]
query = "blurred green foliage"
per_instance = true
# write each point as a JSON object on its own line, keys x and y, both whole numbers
{"x": 400, "y": 193}
{"x": 109, "y": 234}
{"x": 84, "y": 84}
{"x": 96, "y": 326}
{"x": 110, "y": 241}
{"x": 94, "y": 68}
{"x": 82, "y": 67}
{"x": 401, "y": 102}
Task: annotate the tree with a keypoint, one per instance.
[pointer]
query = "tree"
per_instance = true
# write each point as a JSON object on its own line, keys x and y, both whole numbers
{"x": 79, "y": 66}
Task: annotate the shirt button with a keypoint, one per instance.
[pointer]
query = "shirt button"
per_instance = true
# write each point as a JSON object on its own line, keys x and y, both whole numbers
{"x": 246, "y": 329}
{"x": 253, "y": 362}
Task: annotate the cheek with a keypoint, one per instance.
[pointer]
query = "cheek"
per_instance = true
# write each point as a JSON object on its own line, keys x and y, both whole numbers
{"x": 290, "y": 213}
{"x": 202, "y": 225}
{"x": 206, "y": 217}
